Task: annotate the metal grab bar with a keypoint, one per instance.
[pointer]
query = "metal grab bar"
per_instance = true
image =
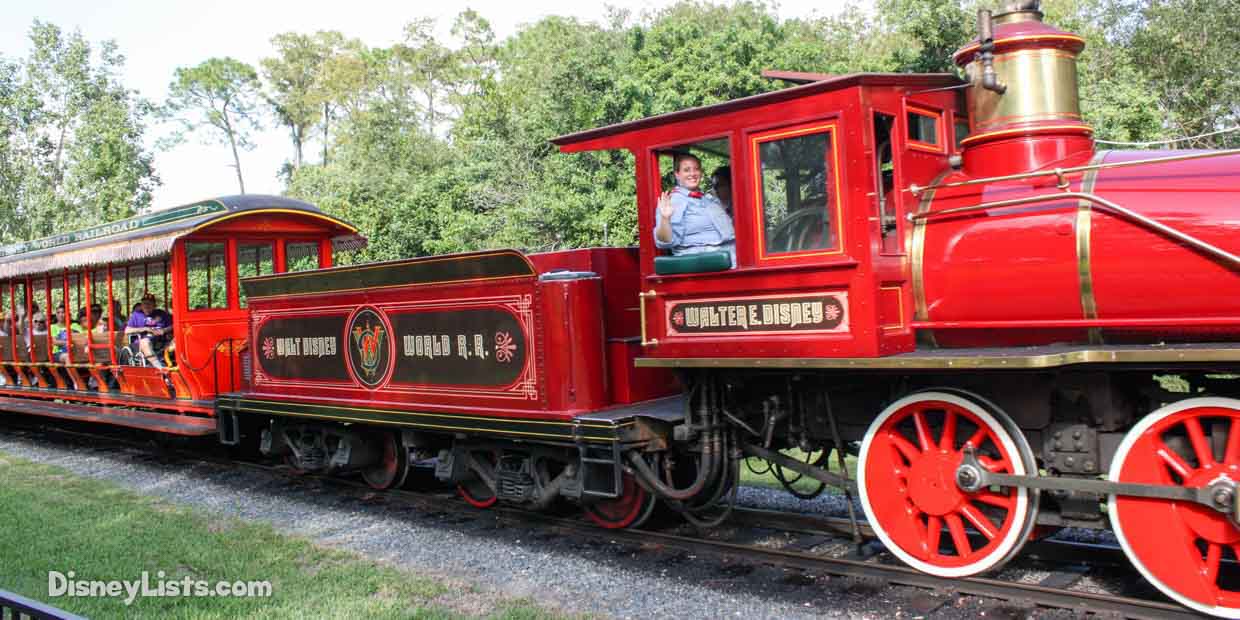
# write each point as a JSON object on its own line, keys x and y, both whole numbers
{"x": 1061, "y": 172}
{"x": 1230, "y": 259}
{"x": 641, "y": 302}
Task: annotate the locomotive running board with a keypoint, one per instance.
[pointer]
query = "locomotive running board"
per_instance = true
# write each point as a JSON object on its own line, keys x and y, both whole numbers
{"x": 1227, "y": 355}
{"x": 145, "y": 420}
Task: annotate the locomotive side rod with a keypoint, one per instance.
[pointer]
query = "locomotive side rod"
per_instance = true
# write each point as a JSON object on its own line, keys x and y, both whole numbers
{"x": 809, "y": 471}
{"x": 1219, "y": 495}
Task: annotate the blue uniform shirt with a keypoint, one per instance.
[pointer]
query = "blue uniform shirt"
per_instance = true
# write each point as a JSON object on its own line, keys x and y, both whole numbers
{"x": 698, "y": 225}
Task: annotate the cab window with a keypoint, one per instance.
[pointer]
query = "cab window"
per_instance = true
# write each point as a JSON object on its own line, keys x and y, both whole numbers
{"x": 796, "y": 189}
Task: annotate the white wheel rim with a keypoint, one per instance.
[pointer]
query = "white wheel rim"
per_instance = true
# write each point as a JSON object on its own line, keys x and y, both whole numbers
{"x": 1011, "y": 542}
{"x": 1130, "y": 438}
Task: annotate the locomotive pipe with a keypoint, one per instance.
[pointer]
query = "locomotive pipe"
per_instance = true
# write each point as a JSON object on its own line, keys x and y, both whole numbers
{"x": 986, "y": 34}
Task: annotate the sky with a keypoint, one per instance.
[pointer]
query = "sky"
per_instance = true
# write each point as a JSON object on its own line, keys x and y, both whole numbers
{"x": 157, "y": 36}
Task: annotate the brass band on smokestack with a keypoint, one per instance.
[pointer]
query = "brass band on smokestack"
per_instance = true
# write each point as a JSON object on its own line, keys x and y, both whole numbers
{"x": 1024, "y": 78}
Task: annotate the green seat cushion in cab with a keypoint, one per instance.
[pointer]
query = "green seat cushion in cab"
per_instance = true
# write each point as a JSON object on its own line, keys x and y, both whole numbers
{"x": 692, "y": 263}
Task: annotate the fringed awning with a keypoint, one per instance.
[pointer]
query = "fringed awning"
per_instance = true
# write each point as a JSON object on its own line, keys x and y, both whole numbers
{"x": 348, "y": 243}
{"x": 117, "y": 252}
{"x": 152, "y": 235}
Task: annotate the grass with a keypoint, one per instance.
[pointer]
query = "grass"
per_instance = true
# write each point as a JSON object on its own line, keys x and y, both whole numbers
{"x": 766, "y": 478}
{"x": 56, "y": 521}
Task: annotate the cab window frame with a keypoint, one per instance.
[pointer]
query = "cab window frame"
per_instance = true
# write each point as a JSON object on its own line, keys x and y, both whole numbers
{"x": 940, "y": 145}
{"x": 754, "y": 138}
{"x": 653, "y": 154}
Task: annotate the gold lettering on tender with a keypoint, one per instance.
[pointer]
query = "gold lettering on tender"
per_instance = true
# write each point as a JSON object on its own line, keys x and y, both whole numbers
{"x": 784, "y": 314}
{"x": 815, "y": 310}
{"x": 741, "y": 317}
{"x": 768, "y": 314}
{"x": 480, "y": 349}
{"x": 462, "y": 346}
{"x": 796, "y": 314}
{"x": 436, "y": 348}
{"x": 692, "y": 317}
{"x": 753, "y": 315}
{"x": 446, "y": 344}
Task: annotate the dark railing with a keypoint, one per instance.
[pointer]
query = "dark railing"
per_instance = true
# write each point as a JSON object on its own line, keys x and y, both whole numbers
{"x": 16, "y": 607}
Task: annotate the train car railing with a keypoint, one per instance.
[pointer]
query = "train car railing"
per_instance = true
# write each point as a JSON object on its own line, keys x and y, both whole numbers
{"x": 17, "y": 607}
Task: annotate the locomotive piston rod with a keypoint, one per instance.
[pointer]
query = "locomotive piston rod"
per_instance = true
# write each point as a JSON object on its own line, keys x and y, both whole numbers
{"x": 1220, "y": 495}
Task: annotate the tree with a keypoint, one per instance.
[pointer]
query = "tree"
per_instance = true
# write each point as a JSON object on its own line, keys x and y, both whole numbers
{"x": 71, "y": 138}
{"x": 1187, "y": 49}
{"x": 293, "y": 77}
{"x": 220, "y": 94}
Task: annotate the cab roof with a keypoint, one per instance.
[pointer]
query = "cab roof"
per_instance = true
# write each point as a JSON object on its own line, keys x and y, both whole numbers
{"x": 623, "y": 135}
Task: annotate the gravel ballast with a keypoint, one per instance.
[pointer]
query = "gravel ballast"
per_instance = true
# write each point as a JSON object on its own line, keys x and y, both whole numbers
{"x": 574, "y": 577}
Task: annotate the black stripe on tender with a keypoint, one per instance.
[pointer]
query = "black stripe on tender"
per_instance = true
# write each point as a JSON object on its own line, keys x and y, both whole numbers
{"x": 439, "y": 269}
{"x": 547, "y": 430}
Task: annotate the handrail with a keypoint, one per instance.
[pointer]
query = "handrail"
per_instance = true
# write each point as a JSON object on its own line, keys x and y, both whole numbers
{"x": 1106, "y": 205}
{"x": 1063, "y": 172}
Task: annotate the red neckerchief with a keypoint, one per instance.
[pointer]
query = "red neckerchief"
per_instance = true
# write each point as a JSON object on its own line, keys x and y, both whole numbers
{"x": 695, "y": 194}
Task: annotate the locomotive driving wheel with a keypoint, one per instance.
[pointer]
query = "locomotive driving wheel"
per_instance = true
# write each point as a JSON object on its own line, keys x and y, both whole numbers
{"x": 393, "y": 465}
{"x": 631, "y": 509}
{"x": 907, "y": 482}
{"x": 1183, "y": 547}
{"x": 475, "y": 491}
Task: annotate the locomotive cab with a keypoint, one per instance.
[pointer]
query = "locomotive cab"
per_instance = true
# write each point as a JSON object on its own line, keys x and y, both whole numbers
{"x": 822, "y": 241}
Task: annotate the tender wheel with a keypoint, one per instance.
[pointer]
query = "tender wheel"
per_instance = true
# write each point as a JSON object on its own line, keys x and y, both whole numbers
{"x": 475, "y": 491}
{"x": 394, "y": 466}
{"x": 1180, "y": 547}
{"x": 907, "y": 481}
{"x": 631, "y": 509}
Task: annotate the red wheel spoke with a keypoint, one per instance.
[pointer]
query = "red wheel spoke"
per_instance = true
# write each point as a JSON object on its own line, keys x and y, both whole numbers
{"x": 1205, "y": 456}
{"x": 994, "y": 499}
{"x": 1173, "y": 460}
{"x": 993, "y": 465}
{"x": 979, "y": 521}
{"x": 906, "y": 447}
{"x": 978, "y": 438}
{"x": 947, "y": 441}
{"x": 923, "y": 432}
{"x": 934, "y": 531}
{"x": 1232, "y": 457}
{"x": 959, "y": 537}
{"x": 1214, "y": 557}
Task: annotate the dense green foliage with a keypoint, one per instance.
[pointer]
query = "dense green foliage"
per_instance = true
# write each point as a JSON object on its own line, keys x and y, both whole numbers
{"x": 71, "y": 138}
{"x": 440, "y": 144}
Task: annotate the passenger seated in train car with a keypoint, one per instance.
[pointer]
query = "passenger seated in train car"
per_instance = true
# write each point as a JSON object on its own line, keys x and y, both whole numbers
{"x": 149, "y": 329}
{"x": 108, "y": 320}
{"x": 60, "y": 333}
{"x": 10, "y": 326}
{"x": 689, "y": 221}
{"x": 38, "y": 326}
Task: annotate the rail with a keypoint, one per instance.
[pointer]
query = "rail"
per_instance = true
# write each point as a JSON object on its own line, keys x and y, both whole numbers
{"x": 1063, "y": 173}
{"x": 1094, "y": 202}
{"x": 19, "y": 607}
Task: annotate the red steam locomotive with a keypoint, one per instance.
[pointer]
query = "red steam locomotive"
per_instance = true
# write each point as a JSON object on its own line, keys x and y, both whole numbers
{"x": 1009, "y": 328}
